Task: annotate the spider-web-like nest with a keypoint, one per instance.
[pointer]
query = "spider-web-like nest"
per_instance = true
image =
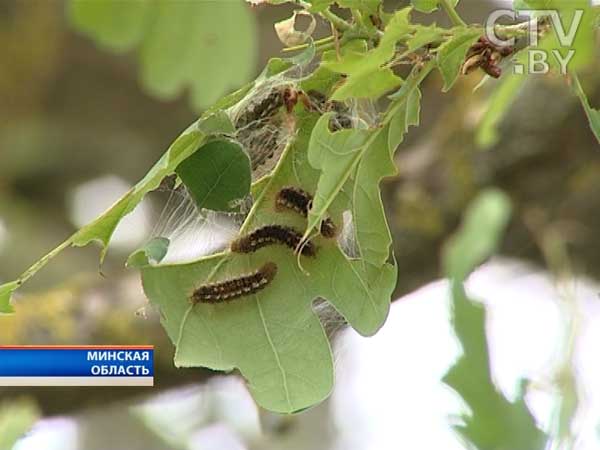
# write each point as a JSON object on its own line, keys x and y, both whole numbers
{"x": 264, "y": 127}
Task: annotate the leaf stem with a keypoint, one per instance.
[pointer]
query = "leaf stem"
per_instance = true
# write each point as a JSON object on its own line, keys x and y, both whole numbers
{"x": 316, "y": 43}
{"x": 452, "y": 14}
{"x": 339, "y": 23}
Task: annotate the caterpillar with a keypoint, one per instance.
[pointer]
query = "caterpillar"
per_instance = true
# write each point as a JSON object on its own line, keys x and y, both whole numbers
{"x": 272, "y": 234}
{"x": 225, "y": 291}
{"x": 300, "y": 201}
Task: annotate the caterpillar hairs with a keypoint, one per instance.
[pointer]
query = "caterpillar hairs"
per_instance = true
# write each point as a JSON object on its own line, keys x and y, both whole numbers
{"x": 273, "y": 234}
{"x": 228, "y": 290}
{"x": 300, "y": 201}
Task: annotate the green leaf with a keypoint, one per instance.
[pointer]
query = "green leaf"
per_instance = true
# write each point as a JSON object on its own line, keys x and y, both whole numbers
{"x": 408, "y": 115}
{"x": 373, "y": 236}
{"x": 371, "y": 230}
{"x": 204, "y": 46}
{"x": 16, "y": 418}
{"x": 451, "y": 55}
{"x": 493, "y": 422}
{"x": 423, "y": 35}
{"x": 6, "y": 291}
{"x": 407, "y": 105}
{"x": 113, "y": 24}
{"x": 217, "y": 176}
{"x": 593, "y": 115}
{"x": 151, "y": 253}
{"x": 335, "y": 155}
{"x": 366, "y": 76}
{"x": 273, "y": 336}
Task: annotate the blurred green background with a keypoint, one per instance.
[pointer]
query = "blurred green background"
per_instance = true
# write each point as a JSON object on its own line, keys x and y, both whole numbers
{"x": 90, "y": 99}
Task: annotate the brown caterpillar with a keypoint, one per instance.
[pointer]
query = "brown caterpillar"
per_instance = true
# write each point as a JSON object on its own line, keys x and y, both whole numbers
{"x": 225, "y": 291}
{"x": 272, "y": 234}
{"x": 300, "y": 201}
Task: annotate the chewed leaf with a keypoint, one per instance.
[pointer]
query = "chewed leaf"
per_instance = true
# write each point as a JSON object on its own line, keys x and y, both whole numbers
{"x": 217, "y": 176}
{"x": 101, "y": 229}
{"x": 272, "y": 335}
{"x": 151, "y": 253}
{"x": 372, "y": 232}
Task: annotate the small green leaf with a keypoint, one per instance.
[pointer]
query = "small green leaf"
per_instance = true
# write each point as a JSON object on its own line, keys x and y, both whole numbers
{"x": 407, "y": 103}
{"x": 451, "y": 55}
{"x": 367, "y": 78}
{"x": 424, "y": 35}
{"x": 217, "y": 175}
{"x": 407, "y": 116}
{"x": 6, "y": 291}
{"x": 370, "y": 85}
{"x": 425, "y": 6}
{"x": 151, "y": 253}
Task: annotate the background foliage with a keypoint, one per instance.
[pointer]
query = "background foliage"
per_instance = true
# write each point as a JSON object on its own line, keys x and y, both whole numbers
{"x": 219, "y": 62}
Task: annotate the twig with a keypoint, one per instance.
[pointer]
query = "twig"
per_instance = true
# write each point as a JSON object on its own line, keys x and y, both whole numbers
{"x": 452, "y": 14}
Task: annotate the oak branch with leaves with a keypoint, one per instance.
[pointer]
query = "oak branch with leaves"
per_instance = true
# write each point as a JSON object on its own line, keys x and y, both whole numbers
{"x": 311, "y": 123}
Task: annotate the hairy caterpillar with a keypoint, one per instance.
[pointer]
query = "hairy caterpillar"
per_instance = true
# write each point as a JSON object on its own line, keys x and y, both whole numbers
{"x": 300, "y": 201}
{"x": 238, "y": 287}
{"x": 269, "y": 235}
